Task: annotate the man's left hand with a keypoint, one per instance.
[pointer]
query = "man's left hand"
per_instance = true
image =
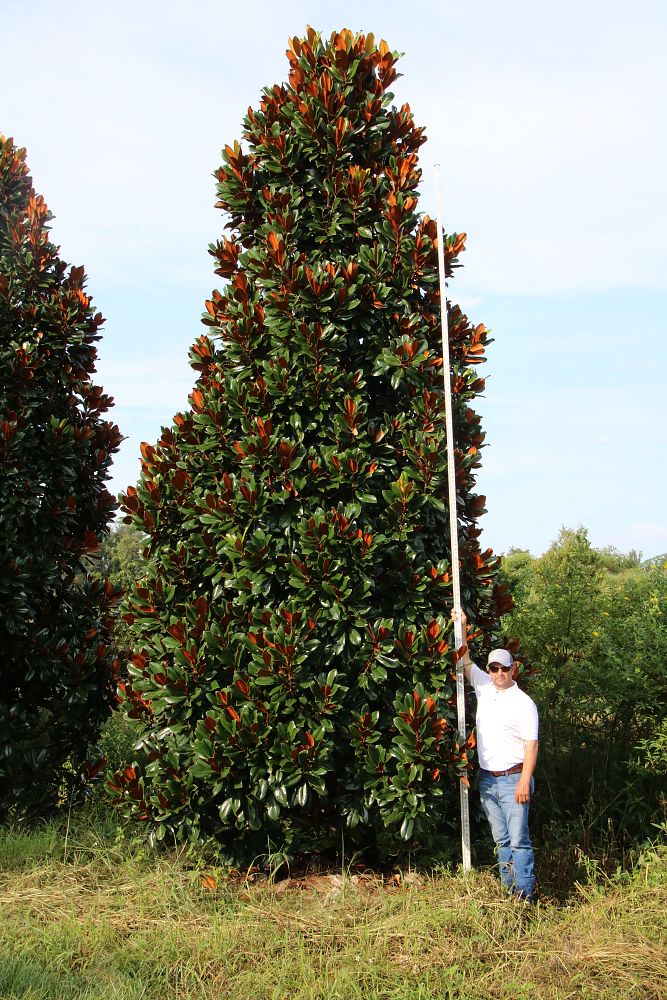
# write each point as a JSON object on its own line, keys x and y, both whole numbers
{"x": 522, "y": 793}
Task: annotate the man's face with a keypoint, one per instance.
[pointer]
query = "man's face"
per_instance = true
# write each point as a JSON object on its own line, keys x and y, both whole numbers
{"x": 502, "y": 679}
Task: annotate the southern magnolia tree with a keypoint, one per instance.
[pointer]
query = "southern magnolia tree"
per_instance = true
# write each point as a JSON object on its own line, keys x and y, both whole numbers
{"x": 292, "y": 640}
{"x": 54, "y": 507}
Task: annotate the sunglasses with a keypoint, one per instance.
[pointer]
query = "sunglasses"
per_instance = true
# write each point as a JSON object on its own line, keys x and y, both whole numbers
{"x": 495, "y": 667}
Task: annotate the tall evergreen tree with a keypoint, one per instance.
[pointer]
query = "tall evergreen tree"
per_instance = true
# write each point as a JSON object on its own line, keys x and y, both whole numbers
{"x": 292, "y": 662}
{"x": 56, "y": 448}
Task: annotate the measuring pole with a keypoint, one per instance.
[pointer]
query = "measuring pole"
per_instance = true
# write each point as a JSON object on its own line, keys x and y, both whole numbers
{"x": 453, "y": 520}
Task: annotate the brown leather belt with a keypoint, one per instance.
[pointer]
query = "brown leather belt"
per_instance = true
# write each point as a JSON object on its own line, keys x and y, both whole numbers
{"x": 500, "y": 774}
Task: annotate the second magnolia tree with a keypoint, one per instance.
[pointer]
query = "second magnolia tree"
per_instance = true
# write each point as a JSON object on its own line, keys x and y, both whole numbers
{"x": 293, "y": 660}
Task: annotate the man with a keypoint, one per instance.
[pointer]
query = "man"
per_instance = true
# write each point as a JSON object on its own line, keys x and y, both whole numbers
{"x": 507, "y": 740}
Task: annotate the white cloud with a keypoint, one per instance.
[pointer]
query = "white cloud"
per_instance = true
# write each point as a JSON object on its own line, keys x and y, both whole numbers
{"x": 547, "y": 126}
{"x": 547, "y": 120}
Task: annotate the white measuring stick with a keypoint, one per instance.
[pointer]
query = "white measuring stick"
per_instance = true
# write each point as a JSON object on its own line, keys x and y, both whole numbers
{"x": 453, "y": 519}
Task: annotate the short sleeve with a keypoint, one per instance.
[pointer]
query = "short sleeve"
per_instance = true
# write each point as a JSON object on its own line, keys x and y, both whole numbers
{"x": 529, "y": 725}
{"x": 479, "y": 678}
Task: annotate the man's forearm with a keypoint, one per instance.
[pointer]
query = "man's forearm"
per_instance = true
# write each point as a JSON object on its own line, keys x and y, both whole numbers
{"x": 522, "y": 793}
{"x": 529, "y": 759}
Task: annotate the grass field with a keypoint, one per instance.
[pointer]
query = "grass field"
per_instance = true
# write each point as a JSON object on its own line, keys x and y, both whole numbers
{"x": 89, "y": 915}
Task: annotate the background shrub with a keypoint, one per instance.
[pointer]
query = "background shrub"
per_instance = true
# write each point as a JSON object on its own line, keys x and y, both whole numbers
{"x": 594, "y": 624}
{"x": 57, "y": 658}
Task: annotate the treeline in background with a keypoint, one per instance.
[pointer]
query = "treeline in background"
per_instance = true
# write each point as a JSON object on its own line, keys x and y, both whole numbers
{"x": 593, "y": 624}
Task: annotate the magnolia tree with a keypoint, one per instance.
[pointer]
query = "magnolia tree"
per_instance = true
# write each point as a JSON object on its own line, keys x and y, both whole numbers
{"x": 293, "y": 660}
{"x": 56, "y": 449}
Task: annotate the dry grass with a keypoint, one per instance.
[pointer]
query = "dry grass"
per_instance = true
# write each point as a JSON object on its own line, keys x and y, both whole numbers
{"x": 108, "y": 922}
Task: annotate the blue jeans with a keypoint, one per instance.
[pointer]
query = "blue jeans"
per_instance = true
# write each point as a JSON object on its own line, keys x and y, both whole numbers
{"x": 508, "y": 820}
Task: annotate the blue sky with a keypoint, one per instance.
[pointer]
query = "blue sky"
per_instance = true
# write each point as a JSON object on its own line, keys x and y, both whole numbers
{"x": 546, "y": 121}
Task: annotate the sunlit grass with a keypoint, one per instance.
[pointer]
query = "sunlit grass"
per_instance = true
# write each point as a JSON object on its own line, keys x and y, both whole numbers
{"x": 102, "y": 918}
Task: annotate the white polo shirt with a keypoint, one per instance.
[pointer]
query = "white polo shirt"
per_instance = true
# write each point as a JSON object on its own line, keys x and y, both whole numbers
{"x": 505, "y": 721}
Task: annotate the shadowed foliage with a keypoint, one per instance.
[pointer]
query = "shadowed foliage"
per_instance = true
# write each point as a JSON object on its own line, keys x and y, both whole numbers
{"x": 56, "y": 451}
{"x": 291, "y": 659}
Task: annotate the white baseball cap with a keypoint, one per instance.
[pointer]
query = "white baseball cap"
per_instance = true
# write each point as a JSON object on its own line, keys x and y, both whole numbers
{"x": 502, "y": 656}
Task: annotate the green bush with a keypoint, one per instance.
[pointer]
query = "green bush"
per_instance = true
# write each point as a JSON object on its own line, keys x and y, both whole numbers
{"x": 117, "y": 740}
{"x": 120, "y": 560}
{"x": 596, "y": 633}
{"x": 291, "y": 639}
{"x": 57, "y": 659}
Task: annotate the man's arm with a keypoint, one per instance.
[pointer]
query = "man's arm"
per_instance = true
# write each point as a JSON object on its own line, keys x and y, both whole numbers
{"x": 522, "y": 793}
{"x": 467, "y": 662}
